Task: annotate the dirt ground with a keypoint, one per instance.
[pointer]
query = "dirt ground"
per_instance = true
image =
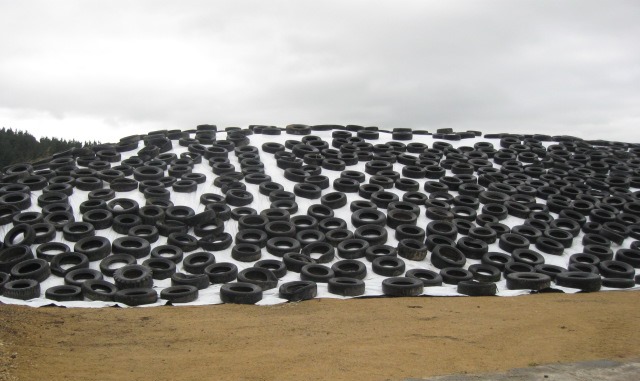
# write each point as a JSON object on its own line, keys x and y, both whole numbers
{"x": 322, "y": 339}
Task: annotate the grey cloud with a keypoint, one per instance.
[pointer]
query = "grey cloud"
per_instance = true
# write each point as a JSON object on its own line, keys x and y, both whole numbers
{"x": 544, "y": 66}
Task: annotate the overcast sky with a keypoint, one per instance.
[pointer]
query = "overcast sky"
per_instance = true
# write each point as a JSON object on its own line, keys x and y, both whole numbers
{"x": 103, "y": 70}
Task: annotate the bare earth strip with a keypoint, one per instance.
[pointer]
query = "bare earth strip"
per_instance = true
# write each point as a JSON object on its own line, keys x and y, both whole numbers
{"x": 323, "y": 339}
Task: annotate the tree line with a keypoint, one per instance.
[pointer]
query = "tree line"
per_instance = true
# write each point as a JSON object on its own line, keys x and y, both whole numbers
{"x": 22, "y": 147}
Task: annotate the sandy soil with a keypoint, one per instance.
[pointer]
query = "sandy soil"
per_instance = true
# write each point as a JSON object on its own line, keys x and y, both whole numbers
{"x": 366, "y": 339}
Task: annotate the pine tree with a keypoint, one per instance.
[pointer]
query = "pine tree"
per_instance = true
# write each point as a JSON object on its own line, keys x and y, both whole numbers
{"x": 21, "y": 147}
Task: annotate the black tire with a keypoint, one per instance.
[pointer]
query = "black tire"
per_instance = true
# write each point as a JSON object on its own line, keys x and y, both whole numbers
{"x": 27, "y": 232}
{"x": 240, "y": 293}
{"x": 405, "y": 231}
{"x": 100, "y": 290}
{"x": 561, "y": 236}
{"x": 75, "y": 231}
{"x": 614, "y": 231}
{"x": 368, "y": 216}
{"x": 166, "y": 227}
{"x": 602, "y": 252}
{"x": 618, "y": 282}
{"x": 586, "y": 282}
{"x": 151, "y": 214}
{"x": 105, "y": 264}
{"x": 120, "y": 185}
{"x": 325, "y": 251}
{"x": 616, "y": 269}
{"x": 252, "y": 221}
{"x": 402, "y": 286}
{"x": 434, "y": 240}
{"x": 397, "y": 217}
{"x": 584, "y": 267}
{"x": 304, "y": 222}
{"x": 261, "y": 277}
{"x": 308, "y": 236}
{"x": 161, "y": 268}
{"x": 64, "y": 293}
{"x": 550, "y": 270}
{"x": 455, "y": 275}
{"x": 170, "y": 252}
{"x": 135, "y": 246}
{"x": 77, "y": 260}
{"x": 4, "y": 278}
{"x": 485, "y": 273}
{"x": 148, "y": 232}
{"x": 278, "y": 246}
{"x": 388, "y": 266}
{"x": 496, "y": 259}
{"x": 376, "y": 251}
{"x": 429, "y": 278}
{"x": 122, "y": 223}
{"x": 99, "y": 218}
{"x": 317, "y": 273}
{"x": 200, "y": 281}
{"x": 518, "y": 267}
{"x": 238, "y": 197}
{"x": 373, "y": 234}
{"x": 472, "y": 248}
{"x": 91, "y": 205}
{"x": 216, "y": 243}
{"x": 280, "y": 229}
{"x": 246, "y": 252}
{"x": 346, "y": 286}
{"x": 36, "y": 269}
{"x": 222, "y": 272}
{"x": 630, "y": 256}
{"x": 120, "y": 206}
{"x": 549, "y": 246}
{"x": 180, "y": 294}
{"x": 447, "y": 256}
{"x": 136, "y": 296}
{"x": 208, "y": 227}
{"x": 278, "y": 268}
{"x": 442, "y": 228}
{"x": 595, "y": 239}
{"x": 511, "y": 241}
{"x": 237, "y": 213}
{"x": 529, "y": 232}
{"x": 184, "y": 241}
{"x": 527, "y": 256}
{"x": 195, "y": 263}
{"x": 352, "y": 248}
{"x": 527, "y": 281}
{"x": 475, "y": 288}
{"x": 23, "y": 289}
{"x": 133, "y": 276}
{"x": 59, "y": 219}
{"x": 95, "y": 248}
{"x": 349, "y": 268}
{"x": 45, "y": 232}
{"x": 297, "y": 291}
{"x": 296, "y": 261}
{"x": 48, "y": 250}
{"x": 334, "y": 237}
{"x": 334, "y": 200}
{"x": 412, "y": 249}
{"x": 11, "y": 256}
{"x": 78, "y": 276}
{"x": 15, "y": 201}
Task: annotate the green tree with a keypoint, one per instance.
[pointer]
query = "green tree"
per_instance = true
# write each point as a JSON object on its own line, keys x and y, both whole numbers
{"x": 21, "y": 147}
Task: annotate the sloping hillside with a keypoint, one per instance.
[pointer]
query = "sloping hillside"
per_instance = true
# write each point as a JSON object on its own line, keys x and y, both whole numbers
{"x": 20, "y": 146}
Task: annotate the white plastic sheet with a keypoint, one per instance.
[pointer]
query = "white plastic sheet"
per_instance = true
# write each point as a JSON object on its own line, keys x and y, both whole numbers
{"x": 211, "y": 294}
